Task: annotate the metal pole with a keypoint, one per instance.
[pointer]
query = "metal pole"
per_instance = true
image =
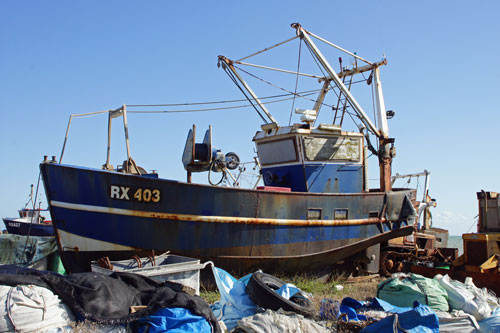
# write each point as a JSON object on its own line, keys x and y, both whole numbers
{"x": 336, "y": 46}
{"x": 65, "y": 138}
{"x": 425, "y": 201}
{"x": 362, "y": 69}
{"x": 279, "y": 70}
{"x": 380, "y": 104}
{"x": 228, "y": 63}
{"x": 125, "y": 126}
{"x": 321, "y": 96}
{"x": 109, "y": 141}
{"x": 426, "y": 184}
{"x": 359, "y": 110}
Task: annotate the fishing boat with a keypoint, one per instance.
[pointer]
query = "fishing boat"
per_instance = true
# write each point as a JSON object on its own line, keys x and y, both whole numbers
{"x": 312, "y": 207}
{"x": 31, "y": 221}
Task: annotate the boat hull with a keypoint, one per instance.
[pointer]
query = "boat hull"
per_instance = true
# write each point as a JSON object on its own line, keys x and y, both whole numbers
{"x": 100, "y": 213}
{"x": 18, "y": 227}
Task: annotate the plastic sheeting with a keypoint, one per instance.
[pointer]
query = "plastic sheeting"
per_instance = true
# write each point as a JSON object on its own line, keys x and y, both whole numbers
{"x": 465, "y": 298}
{"x": 234, "y": 301}
{"x": 403, "y": 289}
{"x": 349, "y": 307}
{"x": 173, "y": 320}
{"x": 421, "y": 319}
{"x": 287, "y": 290}
{"x": 492, "y": 323}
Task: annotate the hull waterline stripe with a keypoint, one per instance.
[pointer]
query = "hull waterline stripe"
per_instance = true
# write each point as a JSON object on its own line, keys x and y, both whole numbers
{"x": 212, "y": 219}
{"x": 73, "y": 242}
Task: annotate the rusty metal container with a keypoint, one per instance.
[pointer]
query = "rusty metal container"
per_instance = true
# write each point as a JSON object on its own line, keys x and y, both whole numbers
{"x": 489, "y": 211}
{"x": 479, "y": 247}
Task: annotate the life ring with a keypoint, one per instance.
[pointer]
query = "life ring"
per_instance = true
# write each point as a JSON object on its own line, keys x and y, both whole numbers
{"x": 261, "y": 289}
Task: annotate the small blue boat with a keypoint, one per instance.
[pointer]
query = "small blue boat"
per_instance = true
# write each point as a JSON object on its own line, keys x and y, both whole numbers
{"x": 31, "y": 221}
{"x": 314, "y": 209}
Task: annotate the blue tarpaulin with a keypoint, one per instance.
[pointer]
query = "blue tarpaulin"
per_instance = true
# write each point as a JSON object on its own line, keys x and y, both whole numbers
{"x": 420, "y": 319}
{"x": 173, "y": 320}
{"x": 234, "y": 301}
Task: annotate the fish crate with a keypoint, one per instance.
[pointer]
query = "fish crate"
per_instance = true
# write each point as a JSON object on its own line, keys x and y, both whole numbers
{"x": 478, "y": 247}
{"x": 165, "y": 267}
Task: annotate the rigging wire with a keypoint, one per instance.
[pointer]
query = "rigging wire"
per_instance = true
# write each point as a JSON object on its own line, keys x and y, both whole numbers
{"x": 296, "y": 84}
{"x": 275, "y": 86}
{"x": 473, "y": 223}
{"x": 269, "y": 48}
{"x": 332, "y": 87}
{"x": 214, "y": 109}
{"x": 338, "y": 96}
{"x": 308, "y": 92}
{"x": 231, "y": 76}
{"x": 33, "y": 215}
{"x": 215, "y": 102}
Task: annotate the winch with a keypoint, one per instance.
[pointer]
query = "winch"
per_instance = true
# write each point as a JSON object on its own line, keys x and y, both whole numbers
{"x": 200, "y": 157}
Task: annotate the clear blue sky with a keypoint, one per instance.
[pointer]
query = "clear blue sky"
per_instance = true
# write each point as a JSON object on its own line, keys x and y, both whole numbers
{"x": 64, "y": 57}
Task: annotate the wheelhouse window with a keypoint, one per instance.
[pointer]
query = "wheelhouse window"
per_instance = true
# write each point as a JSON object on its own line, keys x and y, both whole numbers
{"x": 332, "y": 148}
{"x": 278, "y": 151}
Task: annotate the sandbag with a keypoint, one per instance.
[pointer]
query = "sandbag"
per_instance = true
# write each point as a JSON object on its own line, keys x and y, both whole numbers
{"x": 483, "y": 296}
{"x": 29, "y": 308}
{"x": 404, "y": 289}
{"x": 279, "y": 321}
{"x": 460, "y": 297}
{"x": 457, "y": 321}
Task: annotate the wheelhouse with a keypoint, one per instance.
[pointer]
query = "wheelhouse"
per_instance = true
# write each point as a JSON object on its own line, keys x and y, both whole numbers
{"x": 322, "y": 160}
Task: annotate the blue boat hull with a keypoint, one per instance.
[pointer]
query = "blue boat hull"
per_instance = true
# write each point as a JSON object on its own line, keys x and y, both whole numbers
{"x": 97, "y": 212}
{"x": 25, "y": 228}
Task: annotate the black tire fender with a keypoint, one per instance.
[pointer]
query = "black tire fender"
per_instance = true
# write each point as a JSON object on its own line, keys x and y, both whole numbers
{"x": 261, "y": 290}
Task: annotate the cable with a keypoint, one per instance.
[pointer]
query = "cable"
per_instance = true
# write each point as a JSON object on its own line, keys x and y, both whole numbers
{"x": 473, "y": 223}
{"x": 212, "y": 164}
{"x": 333, "y": 88}
{"x": 31, "y": 222}
{"x": 275, "y": 86}
{"x": 217, "y": 102}
{"x": 212, "y": 109}
{"x": 231, "y": 76}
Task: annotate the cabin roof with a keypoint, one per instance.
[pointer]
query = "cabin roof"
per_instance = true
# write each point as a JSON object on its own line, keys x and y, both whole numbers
{"x": 323, "y": 129}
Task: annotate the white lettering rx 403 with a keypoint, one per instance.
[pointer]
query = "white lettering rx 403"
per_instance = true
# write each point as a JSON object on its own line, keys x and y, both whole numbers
{"x": 134, "y": 194}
